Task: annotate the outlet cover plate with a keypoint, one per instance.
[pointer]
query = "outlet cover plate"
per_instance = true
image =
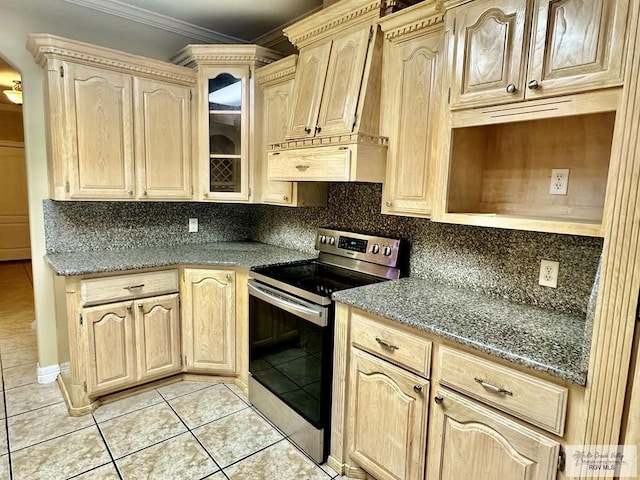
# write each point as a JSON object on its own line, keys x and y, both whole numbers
{"x": 193, "y": 225}
{"x": 548, "y": 273}
{"x": 559, "y": 181}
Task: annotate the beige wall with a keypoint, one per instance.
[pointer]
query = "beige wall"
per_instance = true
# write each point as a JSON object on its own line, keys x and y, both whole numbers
{"x": 20, "y": 18}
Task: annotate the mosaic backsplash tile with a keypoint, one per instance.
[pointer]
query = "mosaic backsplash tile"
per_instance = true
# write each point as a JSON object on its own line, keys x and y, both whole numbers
{"x": 498, "y": 262}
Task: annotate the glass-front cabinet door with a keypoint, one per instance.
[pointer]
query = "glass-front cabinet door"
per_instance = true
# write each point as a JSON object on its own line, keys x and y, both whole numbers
{"x": 225, "y": 174}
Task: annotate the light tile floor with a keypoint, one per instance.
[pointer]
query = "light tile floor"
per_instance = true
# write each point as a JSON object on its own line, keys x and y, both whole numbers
{"x": 186, "y": 430}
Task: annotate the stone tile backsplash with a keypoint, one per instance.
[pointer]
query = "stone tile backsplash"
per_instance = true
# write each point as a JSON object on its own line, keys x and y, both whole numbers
{"x": 498, "y": 262}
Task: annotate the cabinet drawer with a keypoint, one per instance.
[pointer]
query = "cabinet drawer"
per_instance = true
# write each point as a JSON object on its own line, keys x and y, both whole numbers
{"x": 318, "y": 164}
{"x": 533, "y": 400}
{"x": 394, "y": 344}
{"x": 123, "y": 287}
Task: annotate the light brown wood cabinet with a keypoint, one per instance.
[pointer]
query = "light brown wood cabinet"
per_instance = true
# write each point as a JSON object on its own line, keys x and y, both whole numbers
{"x": 510, "y": 50}
{"x": 119, "y": 124}
{"x": 276, "y": 81}
{"x": 327, "y": 85}
{"x": 209, "y": 320}
{"x": 388, "y": 411}
{"x": 132, "y": 342}
{"x": 411, "y": 99}
{"x": 227, "y": 119}
{"x": 473, "y": 442}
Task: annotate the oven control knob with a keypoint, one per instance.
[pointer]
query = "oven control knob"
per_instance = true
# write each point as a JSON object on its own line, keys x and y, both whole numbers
{"x": 386, "y": 251}
{"x": 375, "y": 248}
{"x": 323, "y": 239}
{"x": 332, "y": 240}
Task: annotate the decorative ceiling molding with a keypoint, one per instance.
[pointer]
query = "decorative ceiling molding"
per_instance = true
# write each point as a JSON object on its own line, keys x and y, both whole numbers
{"x": 163, "y": 22}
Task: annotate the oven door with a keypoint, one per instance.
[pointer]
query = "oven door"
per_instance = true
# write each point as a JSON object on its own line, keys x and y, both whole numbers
{"x": 291, "y": 350}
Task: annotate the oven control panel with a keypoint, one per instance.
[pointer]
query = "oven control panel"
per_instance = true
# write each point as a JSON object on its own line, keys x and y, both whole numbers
{"x": 369, "y": 248}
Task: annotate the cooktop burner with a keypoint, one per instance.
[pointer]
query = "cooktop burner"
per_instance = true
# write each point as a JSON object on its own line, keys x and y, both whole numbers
{"x": 318, "y": 278}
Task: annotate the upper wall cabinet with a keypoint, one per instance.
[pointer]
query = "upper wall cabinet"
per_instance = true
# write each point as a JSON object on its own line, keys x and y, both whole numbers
{"x": 119, "y": 124}
{"x": 411, "y": 101}
{"x": 228, "y": 119}
{"x": 509, "y": 50}
{"x": 333, "y": 130}
{"x": 276, "y": 82}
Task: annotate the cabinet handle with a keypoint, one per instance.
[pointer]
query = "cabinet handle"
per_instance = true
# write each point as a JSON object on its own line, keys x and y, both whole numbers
{"x": 318, "y": 128}
{"x": 417, "y": 388}
{"x": 386, "y": 345}
{"x": 492, "y": 388}
{"x": 388, "y": 203}
{"x": 134, "y": 287}
{"x": 511, "y": 88}
{"x": 302, "y": 168}
{"x": 275, "y": 153}
{"x": 533, "y": 84}
{"x": 438, "y": 399}
{"x": 307, "y": 129}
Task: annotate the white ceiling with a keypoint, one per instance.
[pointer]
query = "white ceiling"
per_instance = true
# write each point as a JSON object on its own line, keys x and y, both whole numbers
{"x": 210, "y": 20}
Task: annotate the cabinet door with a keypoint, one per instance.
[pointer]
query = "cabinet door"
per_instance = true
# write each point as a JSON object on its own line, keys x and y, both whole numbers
{"x": 99, "y": 121}
{"x": 111, "y": 347}
{"x": 490, "y": 52}
{"x": 307, "y": 90}
{"x": 342, "y": 86}
{"x": 388, "y": 407}
{"x": 209, "y": 320}
{"x": 157, "y": 329}
{"x": 225, "y": 165}
{"x": 471, "y": 442}
{"x": 277, "y": 100}
{"x": 576, "y": 45}
{"x": 412, "y": 90}
{"x": 163, "y": 140}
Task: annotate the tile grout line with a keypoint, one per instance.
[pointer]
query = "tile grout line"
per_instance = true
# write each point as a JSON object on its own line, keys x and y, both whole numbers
{"x": 104, "y": 440}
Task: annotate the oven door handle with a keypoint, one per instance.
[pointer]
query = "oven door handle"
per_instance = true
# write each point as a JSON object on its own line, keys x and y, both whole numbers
{"x": 313, "y": 315}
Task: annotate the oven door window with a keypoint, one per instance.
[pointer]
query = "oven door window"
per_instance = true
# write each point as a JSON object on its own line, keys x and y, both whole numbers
{"x": 292, "y": 358}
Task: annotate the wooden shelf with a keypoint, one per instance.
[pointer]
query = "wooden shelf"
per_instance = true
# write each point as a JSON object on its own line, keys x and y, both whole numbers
{"x": 499, "y": 175}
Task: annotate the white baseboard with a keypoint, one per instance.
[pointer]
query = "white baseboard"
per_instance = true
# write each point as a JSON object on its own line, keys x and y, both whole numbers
{"x": 48, "y": 374}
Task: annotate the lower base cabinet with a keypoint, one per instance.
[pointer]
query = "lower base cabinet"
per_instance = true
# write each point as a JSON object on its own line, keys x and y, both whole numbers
{"x": 389, "y": 408}
{"x": 471, "y": 442}
{"x": 209, "y": 321}
{"x": 132, "y": 342}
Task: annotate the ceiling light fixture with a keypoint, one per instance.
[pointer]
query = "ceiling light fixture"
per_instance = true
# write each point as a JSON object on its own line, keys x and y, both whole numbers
{"x": 15, "y": 94}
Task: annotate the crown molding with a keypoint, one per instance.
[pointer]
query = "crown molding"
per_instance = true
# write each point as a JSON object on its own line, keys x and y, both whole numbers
{"x": 163, "y": 22}
{"x": 277, "y": 72}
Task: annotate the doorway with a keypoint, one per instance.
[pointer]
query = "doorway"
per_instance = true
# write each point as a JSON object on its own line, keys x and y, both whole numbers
{"x": 14, "y": 210}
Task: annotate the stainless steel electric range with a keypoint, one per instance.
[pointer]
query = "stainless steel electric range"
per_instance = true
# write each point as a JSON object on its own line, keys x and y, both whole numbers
{"x": 291, "y": 318}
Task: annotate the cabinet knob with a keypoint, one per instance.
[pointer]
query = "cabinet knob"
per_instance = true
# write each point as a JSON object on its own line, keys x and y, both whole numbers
{"x": 438, "y": 399}
{"x": 130, "y": 192}
{"x": 533, "y": 84}
{"x": 285, "y": 198}
{"x": 139, "y": 305}
{"x": 318, "y": 128}
{"x": 307, "y": 129}
{"x": 511, "y": 88}
{"x": 144, "y": 193}
{"x": 205, "y": 194}
{"x": 417, "y": 388}
{"x": 388, "y": 203}
{"x": 229, "y": 276}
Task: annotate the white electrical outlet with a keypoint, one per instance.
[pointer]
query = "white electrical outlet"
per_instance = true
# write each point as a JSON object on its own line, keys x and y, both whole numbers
{"x": 193, "y": 225}
{"x": 559, "y": 181}
{"x": 548, "y": 273}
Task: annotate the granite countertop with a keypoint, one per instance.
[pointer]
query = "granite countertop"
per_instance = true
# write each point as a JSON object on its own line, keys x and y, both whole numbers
{"x": 536, "y": 338}
{"x": 540, "y": 339}
{"x": 242, "y": 254}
